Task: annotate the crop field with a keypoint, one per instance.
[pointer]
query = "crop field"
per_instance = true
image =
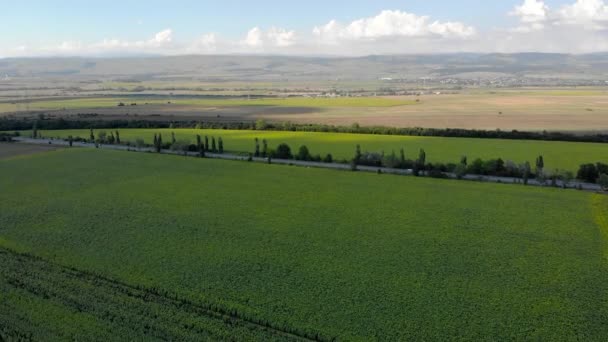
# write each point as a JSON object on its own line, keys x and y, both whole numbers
{"x": 83, "y": 103}
{"x": 560, "y": 155}
{"x": 118, "y": 241}
{"x": 532, "y": 109}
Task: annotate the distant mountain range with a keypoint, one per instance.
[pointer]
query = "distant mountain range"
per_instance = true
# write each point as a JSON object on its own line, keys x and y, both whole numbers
{"x": 286, "y": 68}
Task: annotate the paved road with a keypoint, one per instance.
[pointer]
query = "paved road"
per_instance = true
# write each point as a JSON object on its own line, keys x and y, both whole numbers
{"x": 335, "y": 166}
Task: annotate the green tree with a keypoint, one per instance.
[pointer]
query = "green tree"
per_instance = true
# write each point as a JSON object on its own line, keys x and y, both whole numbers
{"x": 261, "y": 125}
{"x": 283, "y": 152}
{"x": 35, "y": 130}
{"x": 463, "y": 160}
{"x": 264, "y": 148}
{"x": 358, "y": 154}
{"x": 420, "y": 163}
{"x": 328, "y": 158}
{"x": 117, "y": 137}
{"x": 526, "y": 170}
{"x": 70, "y": 140}
{"x": 213, "y": 146}
{"x": 101, "y": 137}
{"x": 303, "y": 153}
{"x": 540, "y": 165}
{"x": 91, "y": 135}
{"x": 173, "y": 141}
{"x": 159, "y": 143}
{"x": 206, "y": 143}
{"x": 199, "y": 146}
{"x": 588, "y": 173}
{"x": 460, "y": 171}
{"x": 220, "y": 145}
{"x": 402, "y": 157}
{"x": 257, "y": 147}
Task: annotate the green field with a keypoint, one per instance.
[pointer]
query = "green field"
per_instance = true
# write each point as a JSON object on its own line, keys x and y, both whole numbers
{"x": 102, "y": 102}
{"x": 560, "y": 155}
{"x": 343, "y": 255}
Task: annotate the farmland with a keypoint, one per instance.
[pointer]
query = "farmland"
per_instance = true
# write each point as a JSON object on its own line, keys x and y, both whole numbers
{"x": 318, "y": 252}
{"x": 567, "y": 109}
{"x": 12, "y": 150}
{"x": 101, "y": 102}
{"x": 560, "y": 155}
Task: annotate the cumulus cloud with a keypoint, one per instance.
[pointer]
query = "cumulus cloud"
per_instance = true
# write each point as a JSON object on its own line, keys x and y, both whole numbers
{"x": 273, "y": 37}
{"x": 590, "y": 13}
{"x": 576, "y": 27}
{"x": 531, "y": 11}
{"x": 579, "y": 26}
{"x": 390, "y": 24}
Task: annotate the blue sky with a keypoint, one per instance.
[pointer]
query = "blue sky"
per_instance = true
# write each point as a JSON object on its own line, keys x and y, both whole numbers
{"x": 37, "y": 24}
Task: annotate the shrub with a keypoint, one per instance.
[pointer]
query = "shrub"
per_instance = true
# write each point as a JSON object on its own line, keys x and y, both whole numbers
{"x": 303, "y": 153}
{"x": 588, "y": 173}
{"x": 283, "y": 151}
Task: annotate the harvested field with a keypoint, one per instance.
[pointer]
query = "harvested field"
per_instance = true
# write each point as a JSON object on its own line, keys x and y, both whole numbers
{"x": 8, "y": 150}
{"x": 541, "y": 109}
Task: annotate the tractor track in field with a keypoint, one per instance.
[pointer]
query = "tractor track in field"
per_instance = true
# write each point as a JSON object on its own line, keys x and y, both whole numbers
{"x": 145, "y": 295}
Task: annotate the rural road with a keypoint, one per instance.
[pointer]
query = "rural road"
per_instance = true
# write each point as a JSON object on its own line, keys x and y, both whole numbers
{"x": 335, "y": 166}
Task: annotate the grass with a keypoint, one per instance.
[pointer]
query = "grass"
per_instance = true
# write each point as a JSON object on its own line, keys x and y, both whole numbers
{"x": 560, "y": 155}
{"x": 347, "y": 255}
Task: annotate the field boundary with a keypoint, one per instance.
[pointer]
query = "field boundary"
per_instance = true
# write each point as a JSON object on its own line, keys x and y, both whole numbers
{"x": 210, "y": 310}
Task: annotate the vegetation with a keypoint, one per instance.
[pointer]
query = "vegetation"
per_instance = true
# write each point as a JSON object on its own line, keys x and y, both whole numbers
{"x": 556, "y": 155}
{"x": 62, "y": 124}
{"x": 400, "y": 258}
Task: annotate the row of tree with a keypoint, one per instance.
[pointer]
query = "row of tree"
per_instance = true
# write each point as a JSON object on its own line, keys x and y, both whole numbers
{"x": 283, "y": 151}
{"x": 591, "y": 173}
{"x": 185, "y": 146}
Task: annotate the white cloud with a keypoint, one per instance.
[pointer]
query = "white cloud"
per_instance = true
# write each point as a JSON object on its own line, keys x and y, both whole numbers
{"x": 254, "y": 38}
{"x": 274, "y": 37}
{"x": 578, "y": 27}
{"x": 281, "y": 37}
{"x": 590, "y": 13}
{"x": 389, "y": 24}
{"x": 208, "y": 43}
{"x": 531, "y": 11}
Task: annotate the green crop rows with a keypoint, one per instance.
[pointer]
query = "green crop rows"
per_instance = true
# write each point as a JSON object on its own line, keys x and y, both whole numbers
{"x": 321, "y": 253}
{"x": 561, "y": 155}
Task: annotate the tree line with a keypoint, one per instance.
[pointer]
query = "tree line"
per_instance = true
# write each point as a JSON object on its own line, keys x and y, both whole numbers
{"x": 10, "y": 124}
{"x": 590, "y": 173}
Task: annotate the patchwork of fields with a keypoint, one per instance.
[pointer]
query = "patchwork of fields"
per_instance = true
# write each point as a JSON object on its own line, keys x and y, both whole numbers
{"x": 560, "y": 155}
{"x": 530, "y": 109}
{"x": 319, "y": 253}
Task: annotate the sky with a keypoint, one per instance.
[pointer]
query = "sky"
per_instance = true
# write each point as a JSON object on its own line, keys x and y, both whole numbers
{"x": 312, "y": 27}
